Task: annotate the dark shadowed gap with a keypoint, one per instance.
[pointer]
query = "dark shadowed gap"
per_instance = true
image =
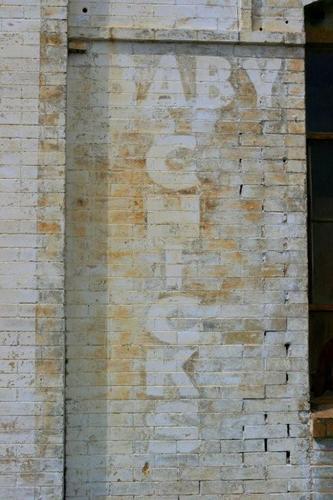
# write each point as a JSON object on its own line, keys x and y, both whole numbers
{"x": 319, "y": 120}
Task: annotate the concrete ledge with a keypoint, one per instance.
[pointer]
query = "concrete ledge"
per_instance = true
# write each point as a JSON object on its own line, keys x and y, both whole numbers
{"x": 179, "y": 35}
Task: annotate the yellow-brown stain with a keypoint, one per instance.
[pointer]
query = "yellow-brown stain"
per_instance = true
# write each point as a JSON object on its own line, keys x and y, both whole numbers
{"x": 244, "y": 338}
{"x": 142, "y": 91}
{"x": 48, "y": 227}
{"x": 51, "y": 92}
{"x": 146, "y": 469}
{"x": 246, "y": 94}
{"x": 45, "y": 310}
{"x": 49, "y": 146}
{"x": 52, "y": 39}
{"x": 183, "y": 120}
{"x": 50, "y": 119}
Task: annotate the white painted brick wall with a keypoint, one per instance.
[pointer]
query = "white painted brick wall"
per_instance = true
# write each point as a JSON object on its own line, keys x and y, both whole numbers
{"x": 186, "y": 284}
{"x": 186, "y": 267}
{"x": 167, "y": 14}
{"x": 285, "y": 15}
{"x": 31, "y": 309}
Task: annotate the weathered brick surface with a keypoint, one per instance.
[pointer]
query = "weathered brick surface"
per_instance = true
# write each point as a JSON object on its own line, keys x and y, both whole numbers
{"x": 215, "y": 15}
{"x": 186, "y": 287}
{"x": 227, "y": 15}
{"x": 270, "y": 15}
{"x": 32, "y": 93}
{"x": 186, "y": 284}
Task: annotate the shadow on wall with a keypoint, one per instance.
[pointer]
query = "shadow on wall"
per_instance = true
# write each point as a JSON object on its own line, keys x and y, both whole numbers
{"x": 87, "y": 296}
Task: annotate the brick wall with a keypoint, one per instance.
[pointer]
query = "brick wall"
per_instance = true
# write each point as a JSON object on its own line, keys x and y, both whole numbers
{"x": 32, "y": 93}
{"x": 186, "y": 258}
{"x": 186, "y": 268}
{"x": 269, "y": 15}
{"x": 229, "y": 15}
{"x": 166, "y": 14}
